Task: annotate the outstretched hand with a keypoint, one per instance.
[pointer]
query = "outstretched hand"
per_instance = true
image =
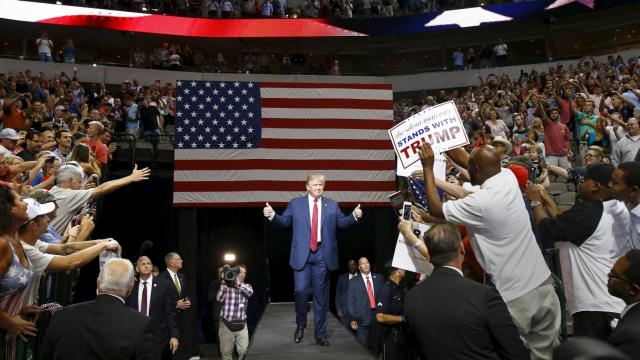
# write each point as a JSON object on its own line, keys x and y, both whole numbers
{"x": 357, "y": 212}
{"x": 139, "y": 175}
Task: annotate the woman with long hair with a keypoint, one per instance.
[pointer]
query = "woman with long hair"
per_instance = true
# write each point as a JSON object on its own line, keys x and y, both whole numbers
{"x": 82, "y": 155}
{"x": 15, "y": 272}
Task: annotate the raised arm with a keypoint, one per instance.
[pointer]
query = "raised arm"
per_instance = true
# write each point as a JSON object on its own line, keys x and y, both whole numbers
{"x": 459, "y": 156}
{"x": 113, "y": 185}
{"x": 80, "y": 258}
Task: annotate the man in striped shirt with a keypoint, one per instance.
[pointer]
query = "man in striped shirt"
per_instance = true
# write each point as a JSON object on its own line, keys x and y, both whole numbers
{"x": 233, "y": 330}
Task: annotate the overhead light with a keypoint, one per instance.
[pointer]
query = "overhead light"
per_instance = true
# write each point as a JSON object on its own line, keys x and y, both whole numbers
{"x": 229, "y": 257}
{"x": 58, "y": 2}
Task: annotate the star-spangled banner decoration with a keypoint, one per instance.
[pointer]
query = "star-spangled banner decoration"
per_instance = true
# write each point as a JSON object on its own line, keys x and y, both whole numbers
{"x": 242, "y": 143}
{"x": 217, "y": 115}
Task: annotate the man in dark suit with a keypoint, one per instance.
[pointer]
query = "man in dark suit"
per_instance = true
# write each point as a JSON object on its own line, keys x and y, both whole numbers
{"x": 104, "y": 328}
{"x": 177, "y": 285}
{"x": 451, "y": 317}
{"x": 342, "y": 287}
{"x": 314, "y": 250}
{"x": 155, "y": 299}
{"x": 363, "y": 299}
{"x": 624, "y": 283}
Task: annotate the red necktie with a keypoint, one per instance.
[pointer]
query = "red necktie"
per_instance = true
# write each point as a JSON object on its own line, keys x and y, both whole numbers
{"x": 314, "y": 227}
{"x": 143, "y": 305}
{"x": 372, "y": 300}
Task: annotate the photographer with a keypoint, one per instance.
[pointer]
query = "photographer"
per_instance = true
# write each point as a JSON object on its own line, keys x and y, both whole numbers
{"x": 234, "y": 295}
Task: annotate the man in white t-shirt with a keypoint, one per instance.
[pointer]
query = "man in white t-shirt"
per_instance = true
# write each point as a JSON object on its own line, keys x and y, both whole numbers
{"x": 75, "y": 198}
{"x": 30, "y": 232}
{"x": 591, "y": 236}
{"x": 45, "y": 46}
{"x": 501, "y": 53}
{"x": 503, "y": 243}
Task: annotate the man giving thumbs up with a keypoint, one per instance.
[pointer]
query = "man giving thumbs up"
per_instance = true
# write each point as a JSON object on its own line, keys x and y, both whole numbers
{"x": 314, "y": 251}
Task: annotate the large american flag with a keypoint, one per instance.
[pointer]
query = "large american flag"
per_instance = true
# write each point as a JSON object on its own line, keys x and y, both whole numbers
{"x": 242, "y": 143}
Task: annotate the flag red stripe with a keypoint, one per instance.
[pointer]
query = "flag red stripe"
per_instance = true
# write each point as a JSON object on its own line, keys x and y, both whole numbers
{"x": 285, "y": 164}
{"x": 327, "y": 123}
{"x": 325, "y": 86}
{"x": 346, "y": 205}
{"x": 326, "y": 144}
{"x": 327, "y": 103}
{"x": 206, "y": 186}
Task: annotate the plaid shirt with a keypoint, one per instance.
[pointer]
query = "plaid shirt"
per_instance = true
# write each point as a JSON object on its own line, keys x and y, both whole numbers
{"x": 234, "y": 301}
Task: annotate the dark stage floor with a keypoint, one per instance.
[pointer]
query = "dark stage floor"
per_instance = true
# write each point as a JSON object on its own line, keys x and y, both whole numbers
{"x": 273, "y": 338}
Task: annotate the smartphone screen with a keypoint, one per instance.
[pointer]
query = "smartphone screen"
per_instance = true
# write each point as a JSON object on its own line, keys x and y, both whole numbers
{"x": 406, "y": 210}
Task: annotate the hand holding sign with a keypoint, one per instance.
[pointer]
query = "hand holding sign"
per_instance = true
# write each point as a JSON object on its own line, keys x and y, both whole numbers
{"x": 426, "y": 156}
{"x": 439, "y": 125}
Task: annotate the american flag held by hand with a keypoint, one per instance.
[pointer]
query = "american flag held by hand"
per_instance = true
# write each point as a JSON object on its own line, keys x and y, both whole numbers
{"x": 242, "y": 143}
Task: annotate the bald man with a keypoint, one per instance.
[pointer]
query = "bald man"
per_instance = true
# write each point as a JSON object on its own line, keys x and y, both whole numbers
{"x": 503, "y": 242}
{"x": 102, "y": 329}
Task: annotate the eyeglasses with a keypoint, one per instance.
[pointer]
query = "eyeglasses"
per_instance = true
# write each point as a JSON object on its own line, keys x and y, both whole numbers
{"x": 587, "y": 156}
{"x": 611, "y": 274}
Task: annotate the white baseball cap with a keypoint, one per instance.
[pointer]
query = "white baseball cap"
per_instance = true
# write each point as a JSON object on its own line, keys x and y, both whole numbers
{"x": 35, "y": 209}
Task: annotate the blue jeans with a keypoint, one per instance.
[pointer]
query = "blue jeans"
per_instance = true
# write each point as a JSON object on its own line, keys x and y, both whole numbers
{"x": 45, "y": 57}
{"x": 152, "y": 135}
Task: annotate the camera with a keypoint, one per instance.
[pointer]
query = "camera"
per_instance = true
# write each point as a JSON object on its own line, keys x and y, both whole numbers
{"x": 230, "y": 274}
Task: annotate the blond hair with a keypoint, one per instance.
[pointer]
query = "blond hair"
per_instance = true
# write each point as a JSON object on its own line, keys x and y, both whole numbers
{"x": 315, "y": 176}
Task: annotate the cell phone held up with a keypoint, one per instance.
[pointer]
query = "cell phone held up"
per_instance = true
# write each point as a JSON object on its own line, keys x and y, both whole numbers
{"x": 406, "y": 210}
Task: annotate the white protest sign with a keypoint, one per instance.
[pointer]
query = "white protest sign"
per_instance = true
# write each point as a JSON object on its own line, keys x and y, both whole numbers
{"x": 407, "y": 257}
{"x": 439, "y": 167}
{"x": 440, "y": 125}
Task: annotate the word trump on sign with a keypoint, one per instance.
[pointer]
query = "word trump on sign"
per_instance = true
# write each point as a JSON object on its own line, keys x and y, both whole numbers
{"x": 438, "y": 125}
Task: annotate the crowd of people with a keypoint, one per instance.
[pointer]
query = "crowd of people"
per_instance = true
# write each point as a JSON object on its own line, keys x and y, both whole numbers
{"x": 497, "y": 222}
{"x": 55, "y": 150}
{"x": 279, "y": 8}
{"x": 576, "y": 122}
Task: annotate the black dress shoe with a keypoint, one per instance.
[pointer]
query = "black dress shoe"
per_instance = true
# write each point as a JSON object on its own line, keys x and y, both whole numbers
{"x": 298, "y": 335}
{"x": 323, "y": 342}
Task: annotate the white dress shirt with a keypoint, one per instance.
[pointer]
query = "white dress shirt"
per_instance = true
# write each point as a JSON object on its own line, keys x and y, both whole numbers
{"x": 149, "y": 282}
{"x": 454, "y": 268}
{"x": 364, "y": 278}
{"x": 627, "y": 308}
{"x": 311, "y": 199}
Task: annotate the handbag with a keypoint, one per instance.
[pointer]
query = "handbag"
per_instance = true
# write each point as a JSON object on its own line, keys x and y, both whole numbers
{"x": 234, "y": 325}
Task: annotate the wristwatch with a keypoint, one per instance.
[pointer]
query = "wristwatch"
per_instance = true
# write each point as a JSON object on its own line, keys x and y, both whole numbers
{"x": 535, "y": 203}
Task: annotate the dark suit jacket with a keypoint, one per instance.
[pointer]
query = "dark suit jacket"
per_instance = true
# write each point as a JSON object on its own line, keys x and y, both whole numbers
{"x": 342, "y": 286}
{"x": 330, "y": 218}
{"x": 626, "y": 336}
{"x": 451, "y": 317}
{"x": 166, "y": 279}
{"x": 188, "y": 343}
{"x": 162, "y": 310}
{"x": 104, "y": 328}
{"x": 358, "y": 298}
